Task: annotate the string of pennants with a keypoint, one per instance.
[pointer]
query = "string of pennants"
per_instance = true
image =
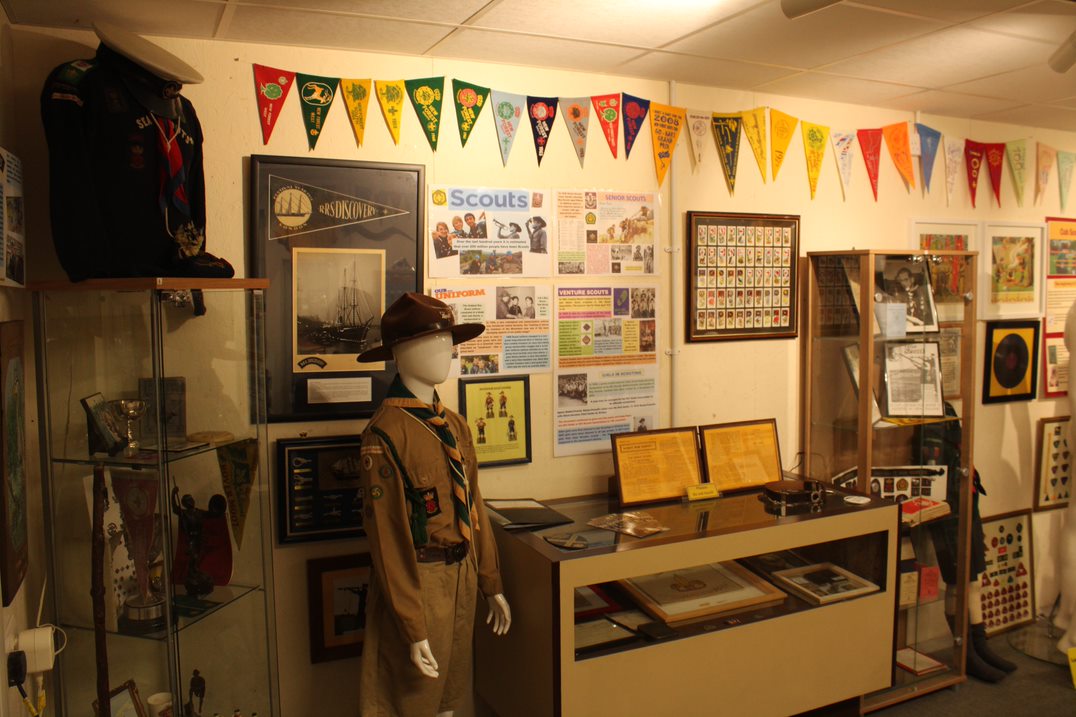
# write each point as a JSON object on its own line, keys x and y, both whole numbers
{"x": 613, "y": 111}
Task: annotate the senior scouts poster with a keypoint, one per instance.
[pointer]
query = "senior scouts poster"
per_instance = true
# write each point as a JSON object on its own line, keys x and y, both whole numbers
{"x": 602, "y": 233}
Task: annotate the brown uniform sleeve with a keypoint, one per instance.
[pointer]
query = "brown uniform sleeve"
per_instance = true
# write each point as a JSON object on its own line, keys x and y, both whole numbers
{"x": 489, "y": 564}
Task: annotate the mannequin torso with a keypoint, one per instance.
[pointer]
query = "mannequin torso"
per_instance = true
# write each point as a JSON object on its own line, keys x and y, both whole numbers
{"x": 1066, "y": 614}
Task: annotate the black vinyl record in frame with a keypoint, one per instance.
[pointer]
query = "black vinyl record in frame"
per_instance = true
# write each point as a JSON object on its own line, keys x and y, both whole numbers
{"x": 339, "y": 241}
{"x": 1011, "y": 361}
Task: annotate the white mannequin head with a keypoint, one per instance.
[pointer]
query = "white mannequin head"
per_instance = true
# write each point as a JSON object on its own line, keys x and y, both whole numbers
{"x": 424, "y": 362}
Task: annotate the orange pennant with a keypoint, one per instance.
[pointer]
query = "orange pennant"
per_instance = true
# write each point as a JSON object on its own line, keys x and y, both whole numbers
{"x": 896, "y": 141}
{"x": 665, "y": 125}
{"x": 781, "y": 128}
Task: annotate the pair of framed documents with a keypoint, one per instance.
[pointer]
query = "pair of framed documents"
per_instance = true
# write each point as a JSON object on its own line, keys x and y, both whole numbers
{"x": 655, "y": 466}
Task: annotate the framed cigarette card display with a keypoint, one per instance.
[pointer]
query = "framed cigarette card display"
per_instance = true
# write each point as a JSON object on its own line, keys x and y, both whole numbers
{"x": 1011, "y": 361}
{"x": 823, "y": 583}
{"x": 318, "y": 491}
{"x": 913, "y": 381}
{"x": 1053, "y": 477}
{"x": 498, "y": 412}
{"x": 947, "y": 276}
{"x": 1008, "y": 595}
{"x": 741, "y": 276}
{"x": 653, "y": 466}
{"x": 704, "y": 590}
{"x": 741, "y": 455}
{"x": 1011, "y": 282}
{"x": 907, "y": 281}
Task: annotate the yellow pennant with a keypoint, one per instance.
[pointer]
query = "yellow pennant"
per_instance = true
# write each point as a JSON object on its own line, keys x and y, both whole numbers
{"x": 815, "y": 138}
{"x": 896, "y": 141}
{"x": 390, "y": 95}
{"x": 665, "y": 125}
{"x": 754, "y": 126}
{"x": 357, "y": 98}
{"x": 781, "y": 128}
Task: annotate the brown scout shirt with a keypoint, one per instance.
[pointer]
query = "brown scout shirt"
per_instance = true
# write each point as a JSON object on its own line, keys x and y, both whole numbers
{"x": 387, "y": 510}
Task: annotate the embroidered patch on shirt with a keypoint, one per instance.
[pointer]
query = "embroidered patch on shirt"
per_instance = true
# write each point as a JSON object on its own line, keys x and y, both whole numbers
{"x": 386, "y": 471}
{"x": 367, "y": 462}
{"x": 376, "y": 492}
{"x": 433, "y": 505}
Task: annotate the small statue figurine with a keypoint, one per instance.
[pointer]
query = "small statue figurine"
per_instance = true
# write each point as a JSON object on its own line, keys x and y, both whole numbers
{"x": 191, "y": 522}
{"x": 196, "y": 689}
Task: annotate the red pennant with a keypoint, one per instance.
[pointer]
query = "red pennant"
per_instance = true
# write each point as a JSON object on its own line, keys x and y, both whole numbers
{"x": 974, "y": 152}
{"x": 607, "y": 110}
{"x": 272, "y": 86}
{"x": 870, "y": 141}
{"x": 995, "y": 156}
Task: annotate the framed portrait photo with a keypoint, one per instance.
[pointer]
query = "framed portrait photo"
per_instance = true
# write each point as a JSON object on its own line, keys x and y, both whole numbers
{"x": 338, "y": 590}
{"x": 339, "y": 241}
{"x": 1011, "y": 361}
{"x": 1054, "y": 459}
{"x": 1011, "y": 279}
{"x": 906, "y": 280}
{"x": 318, "y": 491}
{"x": 498, "y": 411}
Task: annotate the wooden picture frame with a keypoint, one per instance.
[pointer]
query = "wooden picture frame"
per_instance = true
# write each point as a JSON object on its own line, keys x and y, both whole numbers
{"x": 1011, "y": 275}
{"x": 1011, "y": 361}
{"x": 1008, "y": 592}
{"x": 498, "y": 411}
{"x": 1055, "y": 366}
{"x": 655, "y": 466}
{"x": 123, "y": 701}
{"x": 14, "y": 541}
{"x": 1053, "y": 464}
{"x": 823, "y": 583}
{"x": 592, "y": 601}
{"x": 742, "y": 276}
{"x": 913, "y": 380}
{"x": 908, "y": 281}
{"x": 743, "y": 454}
{"x": 337, "y": 589}
{"x": 331, "y": 211}
{"x": 105, "y": 434}
{"x": 319, "y": 496}
{"x": 948, "y": 279}
{"x": 173, "y": 412}
{"x": 711, "y": 589}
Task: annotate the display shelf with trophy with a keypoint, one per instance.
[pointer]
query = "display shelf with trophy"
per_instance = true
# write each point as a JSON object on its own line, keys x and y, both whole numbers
{"x": 610, "y": 623}
{"x": 152, "y": 397}
{"x": 888, "y": 410}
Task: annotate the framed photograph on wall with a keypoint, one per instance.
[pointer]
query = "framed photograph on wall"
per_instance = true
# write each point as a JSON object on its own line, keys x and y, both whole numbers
{"x": 338, "y": 590}
{"x": 741, "y": 276}
{"x": 339, "y": 241}
{"x": 498, "y": 411}
{"x": 1008, "y": 594}
{"x": 948, "y": 278}
{"x": 1011, "y": 279}
{"x": 318, "y": 491}
{"x": 1011, "y": 361}
{"x": 1054, "y": 459}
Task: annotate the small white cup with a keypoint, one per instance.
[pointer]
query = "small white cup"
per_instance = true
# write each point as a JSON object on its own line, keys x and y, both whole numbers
{"x": 160, "y": 704}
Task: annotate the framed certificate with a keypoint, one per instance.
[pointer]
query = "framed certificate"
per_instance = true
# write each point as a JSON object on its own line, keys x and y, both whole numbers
{"x": 741, "y": 455}
{"x": 654, "y": 466}
{"x": 694, "y": 592}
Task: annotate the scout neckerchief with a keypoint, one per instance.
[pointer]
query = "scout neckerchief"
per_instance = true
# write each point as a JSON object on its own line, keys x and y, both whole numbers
{"x": 173, "y": 176}
{"x": 432, "y": 418}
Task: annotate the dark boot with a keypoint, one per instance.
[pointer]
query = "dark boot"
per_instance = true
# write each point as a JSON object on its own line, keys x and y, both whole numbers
{"x": 979, "y": 668}
{"x": 977, "y": 637}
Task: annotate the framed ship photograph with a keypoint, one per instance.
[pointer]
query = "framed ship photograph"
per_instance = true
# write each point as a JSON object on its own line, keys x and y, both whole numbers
{"x": 1011, "y": 281}
{"x": 1053, "y": 462}
{"x": 741, "y": 276}
{"x": 823, "y": 583}
{"x": 318, "y": 491}
{"x": 1011, "y": 361}
{"x": 339, "y": 241}
{"x": 655, "y": 466}
{"x": 739, "y": 455}
{"x": 711, "y": 589}
{"x": 1008, "y": 584}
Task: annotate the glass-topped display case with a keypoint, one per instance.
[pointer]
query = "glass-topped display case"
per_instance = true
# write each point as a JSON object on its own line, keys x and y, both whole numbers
{"x": 152, "y": 404}
{"x": 888, "y": 408}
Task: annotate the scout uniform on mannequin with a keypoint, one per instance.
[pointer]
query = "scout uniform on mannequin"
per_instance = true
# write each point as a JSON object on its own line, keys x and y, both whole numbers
{"x": 430, "y": 538}
{"x": 1066, "y": 613}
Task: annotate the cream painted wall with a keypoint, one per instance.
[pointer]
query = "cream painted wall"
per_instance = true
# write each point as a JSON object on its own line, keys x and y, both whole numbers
{"x": 714, "y": 382}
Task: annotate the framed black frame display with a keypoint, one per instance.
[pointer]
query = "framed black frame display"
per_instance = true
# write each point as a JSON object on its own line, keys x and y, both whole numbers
{"x": 318, "y": 492}
{"x": 339, "y": 241}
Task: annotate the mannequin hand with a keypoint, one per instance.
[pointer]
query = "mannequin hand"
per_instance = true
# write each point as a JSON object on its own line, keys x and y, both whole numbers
{"x": 499, "y": 614}
{"x": 423, "y": 658}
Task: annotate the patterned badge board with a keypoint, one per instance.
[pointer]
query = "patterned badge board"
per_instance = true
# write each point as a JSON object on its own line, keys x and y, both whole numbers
{"x": 1008, "y": 585}
{"x": 1053, "y": 479}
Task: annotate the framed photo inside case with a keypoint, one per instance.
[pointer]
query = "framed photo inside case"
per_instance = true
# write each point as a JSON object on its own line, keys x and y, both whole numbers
{"x": 908, "y": 281}
{"x": 655, "y": 466}
{"x": 739, "y": 455}
{"x": 1011, "y": 361}
{"x": 1054, "y": 459}
{"x": 913, "y": 379}
{"x": 711, "y": 589}
{"x": 949, "y": 279}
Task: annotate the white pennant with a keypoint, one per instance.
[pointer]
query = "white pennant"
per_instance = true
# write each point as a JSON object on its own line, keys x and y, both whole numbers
{"x": 844, "y": 150}
{"x": 698, "y": 129}
{"x": 954, "y": 158}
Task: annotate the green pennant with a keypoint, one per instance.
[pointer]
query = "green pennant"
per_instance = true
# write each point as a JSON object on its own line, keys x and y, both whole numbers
{"x": 469, "y": 100}
{"x": 316, "y": 96}
{"x": 425, "y": 95}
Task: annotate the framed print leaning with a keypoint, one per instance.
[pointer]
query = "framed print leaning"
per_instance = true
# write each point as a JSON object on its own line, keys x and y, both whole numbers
{"x": 1011, "y": 282}
{"x": 1053, "y": 477}
{"x": 339, "y": 241}
{"x": 741, "y": 276}
{"x": 1008, "y": 584}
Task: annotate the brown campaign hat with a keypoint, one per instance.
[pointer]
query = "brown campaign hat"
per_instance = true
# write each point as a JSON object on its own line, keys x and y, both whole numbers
{"x": 414, "y": 315}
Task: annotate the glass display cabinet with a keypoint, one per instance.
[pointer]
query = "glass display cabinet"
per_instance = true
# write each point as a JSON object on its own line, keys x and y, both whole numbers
{"x": 902, "y": 325}
{"x": 154, "y": 443}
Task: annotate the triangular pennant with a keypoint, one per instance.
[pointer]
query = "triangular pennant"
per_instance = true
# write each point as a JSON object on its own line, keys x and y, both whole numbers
{"x": 390, "y": 96}
{"x": 727, "y": 138}
{"x": 238, "y": 474}
{"x": 633, "y": 114}
{"x": 1064, "y": 175}
{"x": 665, "y": 125}
{"x": 815, "y": 137}
{"x": 316, "y": 95}
{"x": 995, "y": 156}
{"x": 896, "y": 141}
{"x": 754, "y": 128}
{"x": 870, "y": 141}
{"x": 698, "y": 129}
{"x": 507, "y": 109}
{"x": 1045, "y": 156}
{"x": 974, "y": 153}
{"x": 576, "y": 114}
{"x": 782, "y": 127}
{"x": 1016, "y": 151}
{"x": 469, "y": 100}
{"x": 929, "y": 139}
{"x": 272, "y": 86}
{"x": 844, "y": 150}
{"x": 300, "y": 208}
{"x": 954, "y": 155}
{"x": 357, "y": 100}
{"x": 426, "y": 95}
{"x": 607, "y": 110}
{"x": 541, "y": 111}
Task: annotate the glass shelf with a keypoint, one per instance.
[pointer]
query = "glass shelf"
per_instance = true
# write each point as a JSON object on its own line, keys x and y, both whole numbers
{"x": 145, "y": 458}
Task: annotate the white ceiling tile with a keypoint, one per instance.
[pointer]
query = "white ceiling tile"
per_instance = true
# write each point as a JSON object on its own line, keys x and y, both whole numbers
{"x": 454, "y": 12}
{"x": 1035, "y": 116}
{"x": 949, "y": 104}
{"x": 944, "y": 58}
{"x": 948, "y": 10}
{"x": 531, "y": 50}
{"x": 700, "y": 70}
{"x": 1031, "y": 84}
{"x": 1047, "y": 20}
{"x": 176, "y": 18}
{"x": 837, "y": 89}
{"x": 765, "y": 35}
{"x": 293, "y": 27}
